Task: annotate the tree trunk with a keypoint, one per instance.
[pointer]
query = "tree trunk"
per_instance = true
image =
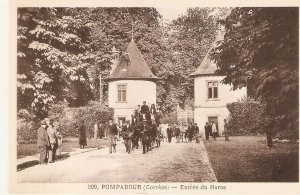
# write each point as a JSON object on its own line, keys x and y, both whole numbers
{"x": 269, "y": 139}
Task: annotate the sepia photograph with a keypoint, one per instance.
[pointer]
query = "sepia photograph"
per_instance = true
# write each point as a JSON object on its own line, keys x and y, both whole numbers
{"x": 155, "y": 98}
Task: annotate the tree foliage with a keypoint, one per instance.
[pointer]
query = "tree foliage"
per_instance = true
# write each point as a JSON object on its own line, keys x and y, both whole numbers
{"x": 261, "y": 45}
{"x": 246, "y": 117}
{"x": 70, "y": 119}
{"x": 53, "y": 53}
{"x": 189, "y": 38}
{"x": 62, "y": 51}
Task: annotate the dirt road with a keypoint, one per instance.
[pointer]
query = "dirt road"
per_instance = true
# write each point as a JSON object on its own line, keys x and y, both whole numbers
{"x": 172, "y": 162}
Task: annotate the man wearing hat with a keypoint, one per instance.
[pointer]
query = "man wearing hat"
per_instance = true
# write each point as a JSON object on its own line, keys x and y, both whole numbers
{"x": 52, "y": 139}
{"x": 111, "y": 133}
{"x": 145, "y": 110}
{"x": 43, "y": 142}
{"x": 127, "y": 134}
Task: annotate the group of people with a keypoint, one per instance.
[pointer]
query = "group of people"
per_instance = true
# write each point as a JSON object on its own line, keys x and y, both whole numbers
{"x": 49, "y": 141}
{"x": 211, "y": 129}
{"x": 142, "y": 128}
{"x": 183, "y": 132}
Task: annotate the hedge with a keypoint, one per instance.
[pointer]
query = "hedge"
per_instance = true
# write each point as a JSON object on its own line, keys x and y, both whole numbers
{"x": 246, "y": 117}
{"x": 69, "y": 120}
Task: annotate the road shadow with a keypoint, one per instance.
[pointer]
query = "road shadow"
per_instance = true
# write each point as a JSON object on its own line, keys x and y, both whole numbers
{"x": 32, "y": 163}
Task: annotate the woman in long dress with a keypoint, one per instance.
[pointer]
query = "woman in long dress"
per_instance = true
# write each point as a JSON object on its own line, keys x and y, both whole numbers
{"x": 82, "y": 136}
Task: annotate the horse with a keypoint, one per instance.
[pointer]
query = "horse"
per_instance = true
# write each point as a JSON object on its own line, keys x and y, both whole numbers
{"x": 146, "y": 138}
{"x": 136, "y": 136}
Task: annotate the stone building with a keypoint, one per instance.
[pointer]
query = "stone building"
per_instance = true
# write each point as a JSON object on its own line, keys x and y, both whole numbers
{"x": 130, "y": 83}
{"x": 210, "y": 95}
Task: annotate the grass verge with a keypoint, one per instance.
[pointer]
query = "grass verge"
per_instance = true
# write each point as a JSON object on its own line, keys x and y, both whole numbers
{"x": 248, "y": 159}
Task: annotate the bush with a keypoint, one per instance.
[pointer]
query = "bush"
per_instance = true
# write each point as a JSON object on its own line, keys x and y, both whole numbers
{"x": 26, "y": 127}
{"x": 246, "y": 117}
{"x": 71, "y": 118}
{"x": 26, "y": 131}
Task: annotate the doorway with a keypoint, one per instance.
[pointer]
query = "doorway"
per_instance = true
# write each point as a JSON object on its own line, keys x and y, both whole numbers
{"x": 215, "y": 119}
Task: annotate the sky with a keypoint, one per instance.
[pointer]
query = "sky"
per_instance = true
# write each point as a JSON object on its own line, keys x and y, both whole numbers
{"x": 171, "y": 12}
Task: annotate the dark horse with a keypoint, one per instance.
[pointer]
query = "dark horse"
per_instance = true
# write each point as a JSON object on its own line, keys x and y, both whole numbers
{"x": 137, "y": 134}
{"x": 145, "y": 129}
{"x": 146, "y": 137}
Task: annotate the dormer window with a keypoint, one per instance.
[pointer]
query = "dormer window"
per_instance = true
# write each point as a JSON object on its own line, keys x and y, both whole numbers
{"x": 122, "y": 92}
{"x": 212, "y": 89}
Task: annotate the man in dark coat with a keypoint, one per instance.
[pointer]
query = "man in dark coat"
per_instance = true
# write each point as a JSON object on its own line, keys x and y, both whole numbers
{"x": 111, "y": 133}
{"x": 226, "y": 130}
{"x": 145, "y": 111}
{"x": 144, "y": 108}
{"x": 169, "y": 133}
{"x": 191, "y": 130}
{"x": 196, "y": 133}
{"x": 207, "y": 130}
{"x": 127, "y": 133}
{"x": 43, "y": 142}
{"x": 177, "y": 133}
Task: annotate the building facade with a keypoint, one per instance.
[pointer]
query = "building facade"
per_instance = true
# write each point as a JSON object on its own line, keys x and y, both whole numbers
{"x": 211, "y": 96}
{"x": 130, "y": 83}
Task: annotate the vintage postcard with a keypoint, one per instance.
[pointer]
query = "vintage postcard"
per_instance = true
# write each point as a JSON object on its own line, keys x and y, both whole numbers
{"x": 162, "y": 97}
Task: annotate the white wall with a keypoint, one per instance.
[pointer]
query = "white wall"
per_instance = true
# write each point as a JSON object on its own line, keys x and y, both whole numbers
{"x": 205, "y": 108}
{"x": 137, "y": 92}
{"x": 226, "y": 94}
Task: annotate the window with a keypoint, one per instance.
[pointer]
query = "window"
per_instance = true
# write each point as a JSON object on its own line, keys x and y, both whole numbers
{"x": 212, "y": 89}
{"x": 122, "y": 92}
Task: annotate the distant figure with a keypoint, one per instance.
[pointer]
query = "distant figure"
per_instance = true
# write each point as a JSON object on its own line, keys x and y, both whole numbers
{"x": 207, "y": 130}
{"x": 59, "y": 142}
{"x": 214, "y": 130}
{"x": 226, "y": 130}
{"x": 127, "y": 133}
{"x": 82, "y": 135}
{"x": 111, "y": 135}
{"x": 144, "y": 110}
{"x": 95, "y": 131}
{"x": 153, "y": 113}
{"x": 177, "y": 133}
{"x": 196, "y": 132}
{"x": 158, "y": 136}
{"x": 43, "y": 142}
{"x": 169, "y": 134}
{"x": 52, "y": 140}
{"x": 58, "y": 137}
{"x": 182, "y": 132}
{"x": 191, "y": 130}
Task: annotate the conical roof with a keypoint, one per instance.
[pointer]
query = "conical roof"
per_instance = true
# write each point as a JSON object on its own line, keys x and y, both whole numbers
{"x": 208, "y": 66}
{"x": 132, "y": 65}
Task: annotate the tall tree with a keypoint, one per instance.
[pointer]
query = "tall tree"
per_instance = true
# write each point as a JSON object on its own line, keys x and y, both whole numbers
{"x": 63, "y": 51}
{"x": 261, "y": 44}
{"x": 53, "y": 53}
{"x": 189, "y": 38}
{"x": 116, "y": 27}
